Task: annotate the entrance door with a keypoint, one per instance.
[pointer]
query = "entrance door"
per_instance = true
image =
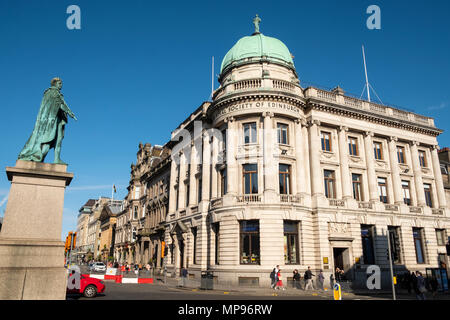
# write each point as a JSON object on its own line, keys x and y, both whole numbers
{"x": 338, "y": 258}
{"x": 342, "y": 261}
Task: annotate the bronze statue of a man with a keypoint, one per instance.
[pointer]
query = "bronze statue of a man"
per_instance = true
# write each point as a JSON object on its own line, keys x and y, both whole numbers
{"x": 49, "y": 127}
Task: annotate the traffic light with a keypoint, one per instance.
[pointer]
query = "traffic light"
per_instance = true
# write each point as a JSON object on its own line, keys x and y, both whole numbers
{"x": 74, "y": 241}
{"x": 68, "y": 241}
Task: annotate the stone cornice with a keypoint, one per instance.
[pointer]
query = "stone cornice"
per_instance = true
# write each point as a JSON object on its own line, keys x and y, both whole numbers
{"x": 369, "y": 116}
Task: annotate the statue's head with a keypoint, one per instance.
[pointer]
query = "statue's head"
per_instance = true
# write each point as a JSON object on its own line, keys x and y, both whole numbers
{"x": 56, "y": 82}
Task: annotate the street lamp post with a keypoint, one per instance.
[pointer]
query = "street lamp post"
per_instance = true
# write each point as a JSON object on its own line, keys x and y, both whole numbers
{"x": 390, "y": 265}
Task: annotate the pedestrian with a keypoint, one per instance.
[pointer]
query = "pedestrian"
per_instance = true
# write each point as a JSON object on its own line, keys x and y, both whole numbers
{"x": 420, "y": 286}
{"x": 308, "y": 278}
{"x": 320, "y": 280}
{"x": 273, "y": 277}
{"x": 331, "y": 281}
{"x": 434, "y": 286}
{"x": 408, "y": 280}
{"x": 414, "y": 283}
{"x": 296, "y": 277}
{"x": 279, "y": 281}
{"x": 184, "y": 274}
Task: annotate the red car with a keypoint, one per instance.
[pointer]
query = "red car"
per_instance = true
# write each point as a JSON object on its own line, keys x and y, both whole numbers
{"x": 89, "y": 287}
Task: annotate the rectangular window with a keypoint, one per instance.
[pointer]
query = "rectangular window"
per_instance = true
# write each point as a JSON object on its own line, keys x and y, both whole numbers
{"x": 187, "y": 195}
{"x": 285, "y": 180}
{"x": 216, "y": 228}
{"x": 401, "y": 154}
{"x": 440, "y": 236}
{"x": 291, "y": 242}
{"x": 367, "y": 244}
{"x": 199, "y": 194}
{"x": 329, "y": 182}
{"x": 422, "y": 159}
{"x": 382, "y": 190}
{"x": 223, "y": 182}
{"x": 194, "y": 245}
{"x": 378, "y": 150}
{"x": 428, "y": 198}
{"x": 325, "y": 138}
{"x": 406, "y": 193}
{"x": 394, "y": 238}
{"x": 353, "y": 146}
{"x": 250, "y": 175}
{"x": 357, "y": 191}
{"x": 137, "y": 192}
{"x": 250, "y": 132}
{"x": 135, "y": 212}
{"x": 417, "y": 235}
{"x": 249, "y": 243}
{"x": 282, "y": 133}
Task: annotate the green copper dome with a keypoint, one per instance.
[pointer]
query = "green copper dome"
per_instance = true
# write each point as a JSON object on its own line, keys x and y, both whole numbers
{"x": 258, "y": 46}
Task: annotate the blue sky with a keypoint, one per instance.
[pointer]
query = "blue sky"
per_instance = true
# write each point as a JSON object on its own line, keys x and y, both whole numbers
{"x": 137, "y": 69}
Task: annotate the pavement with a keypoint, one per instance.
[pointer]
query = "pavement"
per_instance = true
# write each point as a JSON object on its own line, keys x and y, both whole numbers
{"x": 171, "y": 288}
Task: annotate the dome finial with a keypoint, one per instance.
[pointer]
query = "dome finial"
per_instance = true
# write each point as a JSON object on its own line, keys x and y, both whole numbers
{"x": 256, "y": 22}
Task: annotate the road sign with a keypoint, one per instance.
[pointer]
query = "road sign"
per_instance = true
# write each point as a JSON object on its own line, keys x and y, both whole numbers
{"x": 337, "y": 292}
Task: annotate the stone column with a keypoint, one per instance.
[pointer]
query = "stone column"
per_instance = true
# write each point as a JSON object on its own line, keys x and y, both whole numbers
{"x": 345, "y": 171}
{"x": 438, "y": 178}
{"x": 395, "y": 171}
{"x": 270, "y": 169}
{"x": 231, "y": 149}
{"x": 317, "y": 188}
{"x": 370, "y": 163}
{"x": 300, "y": 165}
{"x": 417, "y": 170}
{"x": 181, "y": 183}
{"x": 215, "y": 155}
{"x": 202, "y": 246}
{"x": 172, "y": 191}
{"x": 206, "y": 167}
{"x": 192, "y": 180}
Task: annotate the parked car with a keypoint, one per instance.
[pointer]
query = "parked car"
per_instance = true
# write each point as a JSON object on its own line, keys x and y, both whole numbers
{"x": 98, "y": 266}
{"x": 89, "y": 287}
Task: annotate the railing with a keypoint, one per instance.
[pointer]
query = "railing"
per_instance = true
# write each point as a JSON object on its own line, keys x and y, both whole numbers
{"x": 336, "y": 203}
{"x": 421, "y": 119}
{"x": 365, "y": 205}
{"x": 249, "y": 198}
{"x": 400, "y": 114}
{"x": 326, "y": 95}
{"x": 352, "y": 102}
{"x": 391, "y": 207}
{"x": 289, "y": 198}
{"x": 415, "y": 209}
{"x": 216, "y": 203}
{"x": 284, "y": 85}
{"x": 247, "y": 84}
{"x": 437, "y": 211}
{"x": 377, "y": 108}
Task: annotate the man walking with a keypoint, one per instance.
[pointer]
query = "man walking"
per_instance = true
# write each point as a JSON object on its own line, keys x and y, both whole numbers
{"x": 308, "y": 279}
{"x": 274, "y": 276}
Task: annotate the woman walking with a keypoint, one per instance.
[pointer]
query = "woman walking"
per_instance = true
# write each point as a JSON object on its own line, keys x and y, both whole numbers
{"x": 296, "y": 277}
{"x": 279, "y": 282}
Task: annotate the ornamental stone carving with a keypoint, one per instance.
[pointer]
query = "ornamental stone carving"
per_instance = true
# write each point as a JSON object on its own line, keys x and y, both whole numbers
{"x": 339, "y": 228}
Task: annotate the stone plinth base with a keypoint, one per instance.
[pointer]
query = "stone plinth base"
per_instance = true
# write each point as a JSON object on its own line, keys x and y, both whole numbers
{"x": 31, "y": 250}
{"x": 32, "y": 270}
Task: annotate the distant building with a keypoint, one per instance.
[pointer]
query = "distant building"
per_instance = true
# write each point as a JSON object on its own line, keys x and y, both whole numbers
{"x": 108, "y": 226}
{"x": 140, "y": 226}
{"x": 82, "y": 228}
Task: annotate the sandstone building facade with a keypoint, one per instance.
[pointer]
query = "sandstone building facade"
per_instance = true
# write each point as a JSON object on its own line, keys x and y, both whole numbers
{"x": 300, "y": 177}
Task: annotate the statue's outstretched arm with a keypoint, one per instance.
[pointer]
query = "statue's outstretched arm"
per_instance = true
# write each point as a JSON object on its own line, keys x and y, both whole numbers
{"x": 66, "y": 109}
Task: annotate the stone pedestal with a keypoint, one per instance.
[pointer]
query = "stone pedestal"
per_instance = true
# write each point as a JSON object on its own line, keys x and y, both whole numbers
{"x": 31, "y": 250}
